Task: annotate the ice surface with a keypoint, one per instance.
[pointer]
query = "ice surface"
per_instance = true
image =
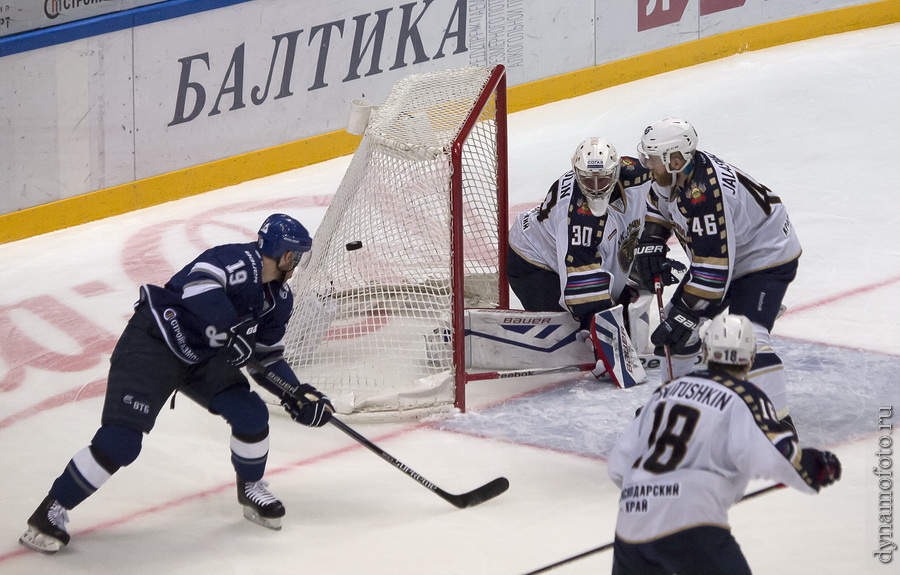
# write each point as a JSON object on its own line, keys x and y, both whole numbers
{"x": 815, "y": 121}
{"x": 833, "y": 392}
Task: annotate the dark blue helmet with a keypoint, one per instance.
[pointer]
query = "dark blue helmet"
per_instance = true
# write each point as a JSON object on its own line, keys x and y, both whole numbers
{"x": 281, "y": 233}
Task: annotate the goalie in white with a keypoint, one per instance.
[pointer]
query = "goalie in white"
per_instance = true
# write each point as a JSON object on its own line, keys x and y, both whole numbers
{"x": 689, "y": 454}
{"x": 574, "y": 251}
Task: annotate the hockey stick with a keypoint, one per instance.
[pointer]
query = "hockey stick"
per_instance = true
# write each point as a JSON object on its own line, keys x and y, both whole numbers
{"x": 469, "y": 499}
{"x": 658, "y": 287}
{"x": 610, "y": 545}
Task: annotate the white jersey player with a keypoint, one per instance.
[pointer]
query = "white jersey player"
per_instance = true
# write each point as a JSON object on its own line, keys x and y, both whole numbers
{"x": 742, "y": 249}
{"x": 574, "y": 251}
{"x": 689, "y": 454}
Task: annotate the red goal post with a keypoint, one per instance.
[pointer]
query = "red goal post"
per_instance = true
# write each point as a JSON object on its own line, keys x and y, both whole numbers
{"x": 495, "y": 86}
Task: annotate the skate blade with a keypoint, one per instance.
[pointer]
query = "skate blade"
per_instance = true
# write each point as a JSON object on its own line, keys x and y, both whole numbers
{"x": 40, "y": 542}
{"x": 273, "y": 523}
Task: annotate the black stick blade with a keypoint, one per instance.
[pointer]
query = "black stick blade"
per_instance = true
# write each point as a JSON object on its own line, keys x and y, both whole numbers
{"x": 477, "y": 496}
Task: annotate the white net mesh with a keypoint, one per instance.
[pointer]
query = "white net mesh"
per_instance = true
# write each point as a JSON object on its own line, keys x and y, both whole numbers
{"x": 371, "y": 325}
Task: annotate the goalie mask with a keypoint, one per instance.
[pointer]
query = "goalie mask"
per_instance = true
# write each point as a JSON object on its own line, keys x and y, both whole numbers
{"x": 281, "y": 233}
{"x": 596, "y": 165}
{"x": 730, "y": 340}
{"x": 665, "y": 137}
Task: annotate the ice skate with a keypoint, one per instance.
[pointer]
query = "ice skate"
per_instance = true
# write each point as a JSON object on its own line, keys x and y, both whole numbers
{"x": 260, "y": 506}
{"x": 47, "y": 528}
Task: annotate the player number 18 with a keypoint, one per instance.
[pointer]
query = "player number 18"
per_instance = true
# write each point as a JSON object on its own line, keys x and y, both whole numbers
{"x": 669, "y": 448}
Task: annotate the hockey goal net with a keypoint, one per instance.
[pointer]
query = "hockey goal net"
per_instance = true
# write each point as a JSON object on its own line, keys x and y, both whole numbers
{"x": 416, "y": 233}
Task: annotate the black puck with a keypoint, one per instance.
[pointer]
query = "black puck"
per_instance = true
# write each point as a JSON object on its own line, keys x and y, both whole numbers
{"x": 354, "y": 245}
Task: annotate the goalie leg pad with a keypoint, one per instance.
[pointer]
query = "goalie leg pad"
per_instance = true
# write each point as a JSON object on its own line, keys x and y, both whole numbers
{"x": 515, "y": 339}
{"x": 639, "y": 323}
{"x": 614, "y": 347}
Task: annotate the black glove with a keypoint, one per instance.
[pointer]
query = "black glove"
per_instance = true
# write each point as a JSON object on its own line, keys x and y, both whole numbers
{"x": 312, "y": 409}
{"x": 240, "y": 342}
{"x": 823, "y": 467}
{"x": 650, "y": 261}
{"x": 676, "y": 330}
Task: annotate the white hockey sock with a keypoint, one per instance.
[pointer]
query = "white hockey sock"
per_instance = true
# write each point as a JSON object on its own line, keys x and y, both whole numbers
{"x": 681, "y": 365}
{"x": 249, "y": 458}
{"x": 90, "y": 470}
{"x": 768, "y": 372}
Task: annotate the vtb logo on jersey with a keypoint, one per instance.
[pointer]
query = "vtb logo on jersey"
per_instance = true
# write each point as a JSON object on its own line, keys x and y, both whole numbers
{"x": 140, "y": 405}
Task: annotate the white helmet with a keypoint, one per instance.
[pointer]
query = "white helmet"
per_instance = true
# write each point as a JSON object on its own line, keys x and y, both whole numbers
{"x": 730, "y": 339}
{"x": 664, "y": 137}
{"x": 596, "y": 165}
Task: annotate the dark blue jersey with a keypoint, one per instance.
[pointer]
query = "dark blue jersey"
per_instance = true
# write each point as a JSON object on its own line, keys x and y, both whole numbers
{"x": 279, "y": 304}
{"x": 222, "y": 286}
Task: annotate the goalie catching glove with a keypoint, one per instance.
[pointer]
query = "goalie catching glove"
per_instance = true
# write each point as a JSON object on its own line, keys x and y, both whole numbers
{"x": 311, "y": 408}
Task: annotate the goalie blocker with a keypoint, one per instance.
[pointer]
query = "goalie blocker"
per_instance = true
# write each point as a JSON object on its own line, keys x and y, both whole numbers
{"x": 549, "y": 341}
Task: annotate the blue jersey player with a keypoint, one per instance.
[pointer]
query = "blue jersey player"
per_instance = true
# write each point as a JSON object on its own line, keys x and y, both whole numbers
{"x": 192, "y": 336}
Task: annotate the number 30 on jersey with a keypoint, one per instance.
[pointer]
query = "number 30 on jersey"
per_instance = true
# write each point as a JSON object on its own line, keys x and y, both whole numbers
{"x": 581, "y": 235}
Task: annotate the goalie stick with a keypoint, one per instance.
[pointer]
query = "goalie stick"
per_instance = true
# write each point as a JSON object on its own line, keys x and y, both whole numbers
{"x": 607, "y": 546}
{"x": 509, "y": 373}
{"x": 469, "y": 499}
{"x": 658, "y": 287}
